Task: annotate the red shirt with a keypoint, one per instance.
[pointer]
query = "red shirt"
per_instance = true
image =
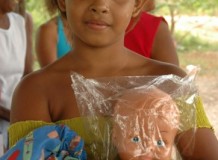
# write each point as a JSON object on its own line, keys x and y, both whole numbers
{"x": 140, "y": 39}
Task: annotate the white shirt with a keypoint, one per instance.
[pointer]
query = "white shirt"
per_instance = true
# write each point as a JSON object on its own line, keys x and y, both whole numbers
{"x": 12, "y": 57}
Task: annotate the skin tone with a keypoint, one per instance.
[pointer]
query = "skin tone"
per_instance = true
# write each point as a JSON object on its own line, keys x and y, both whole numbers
{"x": 20, "y": 9}
{"x": 150, "y": 5}
{"x": 46, "y": 41}
{"x": 98, "y": 28}
{"x": 163, "y": 47}
{"x": 7, "y": 6}
{"x": 29, "y": 55}
{"x": 149, "y": 132}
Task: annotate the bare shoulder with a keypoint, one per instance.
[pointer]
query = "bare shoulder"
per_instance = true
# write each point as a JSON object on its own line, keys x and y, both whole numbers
{"x": 46, "y": 37}
{"x": 163, "y": 68}
{"x": 163, "y": 25}
{"x": 49, "y": 26}
{"x": 163, "y": 47}
{"x": 29, "y": 100}
{"x": 149, "y": 66}
{"x": 29, "y": 19}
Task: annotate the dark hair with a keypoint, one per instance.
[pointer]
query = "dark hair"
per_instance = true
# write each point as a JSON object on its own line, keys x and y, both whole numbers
{"x": 53, "y": 8}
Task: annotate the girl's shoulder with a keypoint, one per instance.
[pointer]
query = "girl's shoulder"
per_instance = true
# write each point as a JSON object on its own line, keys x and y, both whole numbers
{"x": 33, "y": 81}
{"x": 151, "y": 67}
{"x": 163, "y": 68}
{"x": 49, "y": 27}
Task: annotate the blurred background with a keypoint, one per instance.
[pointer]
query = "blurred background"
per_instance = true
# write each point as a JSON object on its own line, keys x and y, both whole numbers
{"x": 194, "y": 26}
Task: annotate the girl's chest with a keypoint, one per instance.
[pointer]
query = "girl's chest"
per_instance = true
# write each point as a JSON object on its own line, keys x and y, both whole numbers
{"x": 61, "y": 100}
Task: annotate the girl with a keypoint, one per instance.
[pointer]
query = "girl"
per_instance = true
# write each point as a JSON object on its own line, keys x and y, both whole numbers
{"x": 46, "y": 97}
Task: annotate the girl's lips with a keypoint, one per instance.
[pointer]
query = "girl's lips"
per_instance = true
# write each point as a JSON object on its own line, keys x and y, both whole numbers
{"x": 97, "y": 25}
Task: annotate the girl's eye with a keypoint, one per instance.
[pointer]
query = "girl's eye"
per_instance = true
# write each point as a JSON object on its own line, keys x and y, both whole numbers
{"x": 160, "y": 143}
{"x": 136, "y": 139}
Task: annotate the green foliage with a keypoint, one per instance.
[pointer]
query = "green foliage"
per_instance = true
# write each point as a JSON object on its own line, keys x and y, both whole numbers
{"x": 191, "y": 43}
{"x": 38, "y": 11}
{"x": 189, "y": 6}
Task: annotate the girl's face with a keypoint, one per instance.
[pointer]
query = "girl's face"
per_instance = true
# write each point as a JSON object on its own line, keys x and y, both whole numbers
{"x": 7, "y": 5}
{"x": 99, "y": 22}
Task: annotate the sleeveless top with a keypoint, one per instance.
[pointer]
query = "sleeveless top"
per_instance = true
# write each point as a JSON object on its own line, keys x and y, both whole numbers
{"x": 20, "y": 129}
{"x": 63, "y": 46}
{"x": 140, "y": 39}
{"x": 12, "y": 57}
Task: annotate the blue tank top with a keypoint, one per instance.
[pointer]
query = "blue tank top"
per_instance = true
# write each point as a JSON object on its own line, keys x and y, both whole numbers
{"x": 63, "y": 46}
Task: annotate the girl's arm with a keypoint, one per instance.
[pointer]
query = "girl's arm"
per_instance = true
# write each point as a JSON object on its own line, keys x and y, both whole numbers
{"x": 163, "y": 47}
{"x": 203, "y": 145}
{"x": 199, "y": 143}
{"x": 46, "y": 43}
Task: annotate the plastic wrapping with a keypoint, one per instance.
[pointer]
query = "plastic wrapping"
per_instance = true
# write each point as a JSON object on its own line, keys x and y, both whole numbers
{"x": 135, "y": 117}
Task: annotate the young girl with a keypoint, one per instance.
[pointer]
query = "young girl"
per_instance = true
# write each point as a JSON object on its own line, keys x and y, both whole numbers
{"x": 46, "y": 97}
{"x": 150, "y": 37}
{"x": 53, "y": 37}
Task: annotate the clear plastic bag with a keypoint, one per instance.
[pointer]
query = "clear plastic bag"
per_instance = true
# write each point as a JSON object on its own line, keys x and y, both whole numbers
{"x": 135, "y": 117}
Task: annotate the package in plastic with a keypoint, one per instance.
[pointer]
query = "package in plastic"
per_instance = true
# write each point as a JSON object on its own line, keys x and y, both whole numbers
{"x": 135, "y": 117}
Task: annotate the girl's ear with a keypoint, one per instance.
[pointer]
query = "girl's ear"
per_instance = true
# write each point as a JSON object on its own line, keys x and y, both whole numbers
{"x": 61, "y": 5}
{"x": 139, "y": 6}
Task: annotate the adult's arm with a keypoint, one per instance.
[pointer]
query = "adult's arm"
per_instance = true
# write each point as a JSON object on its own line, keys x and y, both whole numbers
{"x": 29, "y": 52}
{"x": 163, "y": 47}
{"x": 46, "y": 43}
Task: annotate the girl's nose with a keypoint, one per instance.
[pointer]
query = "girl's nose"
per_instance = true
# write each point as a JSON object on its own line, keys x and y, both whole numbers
{"x": 99, "y": 6}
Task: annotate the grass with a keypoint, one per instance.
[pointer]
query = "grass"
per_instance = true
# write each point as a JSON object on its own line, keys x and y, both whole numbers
{"x": 190, "y": 43}
{"x": 197, "y": 51}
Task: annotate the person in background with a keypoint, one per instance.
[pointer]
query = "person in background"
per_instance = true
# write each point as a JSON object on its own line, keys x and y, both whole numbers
{"x": 15, "y": 60}
{"x": 52, "y": 40}
{"x": 150, "y": 37}
{"x": 46, "y": 97}
{"x": 21, "y": 9}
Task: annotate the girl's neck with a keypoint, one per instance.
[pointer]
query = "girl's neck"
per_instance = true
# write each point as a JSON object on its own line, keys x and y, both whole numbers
{"x": 114, "y": 57}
